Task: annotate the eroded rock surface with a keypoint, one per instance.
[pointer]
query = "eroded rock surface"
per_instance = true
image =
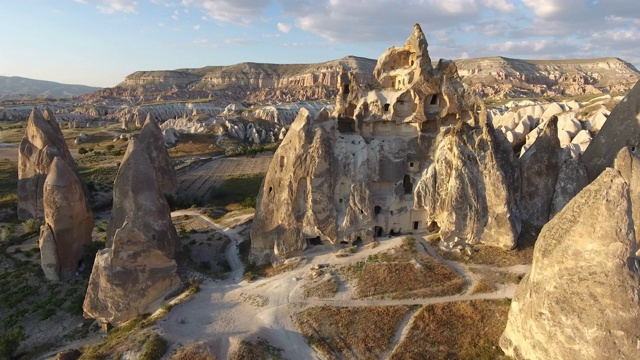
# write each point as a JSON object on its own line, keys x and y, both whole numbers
{"x": 580, "y": 299}
{"x": 136, "y": 270}
{"x": 539, "y": 169}
{"x": 390, "y": 160}
{"x": 42, "y": 142}
{"x": 68, "y": 222}
{"x": 152, "y": 139}
{"x": 621, "y": 128}
{"x": 571, "y": 179}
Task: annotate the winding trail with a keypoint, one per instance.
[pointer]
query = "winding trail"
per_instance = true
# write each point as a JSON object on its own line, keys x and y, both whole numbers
{"x": 225, "y": 312}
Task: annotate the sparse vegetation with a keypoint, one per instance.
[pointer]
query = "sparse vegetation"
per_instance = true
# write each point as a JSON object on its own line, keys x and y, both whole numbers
{"x": 351, "y": 332}
{"x": 154, "y": 348}
{"x": 325, "y": 288}
{"x": 10, "y": 341}
{"x": 457, "y": 330}
{"x": 259, "y": 349}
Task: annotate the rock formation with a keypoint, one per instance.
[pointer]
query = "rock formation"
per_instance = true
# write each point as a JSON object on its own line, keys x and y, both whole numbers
{"x": 42, "y": 142}
{"x": 68, "y": 222}
{"x": 622, "y": 128}
{"x": 580, "y": 299}
{"x": 384, "y": 162}
{"x": 571, "y": 179}
{"x": 539, "y": 169}
{"x": 152, "y": 139}
{"x": 136, "y": 270}
{"x": 628, "y": 163}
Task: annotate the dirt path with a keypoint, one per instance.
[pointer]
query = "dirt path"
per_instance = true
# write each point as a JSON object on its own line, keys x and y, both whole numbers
{"x": 225, "y": 312}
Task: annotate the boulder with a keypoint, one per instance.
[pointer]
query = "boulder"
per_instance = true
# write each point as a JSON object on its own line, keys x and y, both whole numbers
{"x": 137, "y": 270}
{"x": 68, "y": 222}
{"x": 580, "y": 298}
{"x": 152, "y": 140}
{"x": 628, "y": 163}
{"x": 42, "y": 142}
{"x": 539, "y": 169}
{"x": 622, "y": 128}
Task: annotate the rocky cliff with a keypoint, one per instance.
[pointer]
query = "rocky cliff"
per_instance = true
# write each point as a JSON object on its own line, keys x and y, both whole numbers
{"x": 415, "y": 153}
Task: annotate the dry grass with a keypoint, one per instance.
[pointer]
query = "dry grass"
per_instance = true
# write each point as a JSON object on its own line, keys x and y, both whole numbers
{"x": 494, "y": 256}
{"x": 402, "y": 273}
{"x": 458, "y": 330}
{"x": 259, "y": 349}
{"x": 195, "y": 351}
{"x": 482, "y": 287}
{"x": 493, "y": 277}
{"x": 351, "y": 333}
{"x": 196, "y": 144}
{"x": 323, "y": 289}
{"x": 253, "y": 272}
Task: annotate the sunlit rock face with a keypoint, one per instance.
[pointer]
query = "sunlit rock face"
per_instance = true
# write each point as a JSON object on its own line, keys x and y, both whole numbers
{"x": 580, "y": 299}
{"x": 68, "y": 222}
{"x": 42, "y": 142}
{"x": 414, "y": 151}
{"x": 137, "y": 270}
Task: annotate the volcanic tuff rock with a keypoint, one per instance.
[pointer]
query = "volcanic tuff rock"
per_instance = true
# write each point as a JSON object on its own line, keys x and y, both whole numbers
{"x": 42, "y": 142}
{"x": 68, "y": 222}
{"x": 152, "y": 139}
{"x": 137, "y": 196}
{"x": 622, "y": 128}
{"x": 571, "y": 179}
{"x": 580, "y": 299}
{"x": 136, "y": 270}
{"x": 628, "y": 163}
{"x": 351, "y": 176}
{"x": 539, "y": 169}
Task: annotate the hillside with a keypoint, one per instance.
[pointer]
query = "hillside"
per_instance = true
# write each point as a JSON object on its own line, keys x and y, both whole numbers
{"x": 15, "y": 87}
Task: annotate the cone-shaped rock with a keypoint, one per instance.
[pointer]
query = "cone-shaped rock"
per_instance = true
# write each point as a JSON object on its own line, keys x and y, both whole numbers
{"x": 580, "y": 299}
{"x": 539, "y": 169}
{"x": 137, "y": 196}
{"x": 42, "y": 142}
{"x": 152, "y": 140}
{"x": 622, "y": 128}
{"x": 68, "y": 222}
{"x": 133, "y": 275}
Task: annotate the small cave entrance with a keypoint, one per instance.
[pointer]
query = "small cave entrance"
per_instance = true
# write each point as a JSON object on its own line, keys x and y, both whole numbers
{"x": 377, "y": 209}
{"x": 393, "y": 233}
{"x": 314, "y": 241}
{"x": 345, "y": 89}
{"x": 407, "y": 185}
{"x": 434, "y": 100}
{"x": 416, "y": 225}
{"x": 378, "y": 230}
{"x": 358, "y": 242}
{"x": 346, "y": 125}
{"x": 344, "y": 242}
{"x": 433, "y": 227}
{"x": 386, "y": 108}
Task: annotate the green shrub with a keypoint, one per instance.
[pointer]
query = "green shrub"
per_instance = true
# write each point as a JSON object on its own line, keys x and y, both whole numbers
{"x": 82, "y": 151}
{"x": 10, "y": 341}
{"x": 31, "y": 226}
{"x": 154, "y": 348}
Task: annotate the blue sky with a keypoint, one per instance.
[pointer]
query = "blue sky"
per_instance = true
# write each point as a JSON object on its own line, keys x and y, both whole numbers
{"x": 99, "y": 42}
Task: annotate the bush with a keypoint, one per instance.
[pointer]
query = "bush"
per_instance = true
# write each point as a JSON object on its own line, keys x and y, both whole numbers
{"x": 31, "y": 226}
{"x": 249, "y": 202}
{"x": 154, "y": 348}
{"x": 10, "y": 341}
{"x": 82, "y": 151}
{"x": 110, "y": 147}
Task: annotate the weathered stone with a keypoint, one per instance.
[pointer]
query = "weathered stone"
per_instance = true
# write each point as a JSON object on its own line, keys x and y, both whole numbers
{"x": 628, "y": 163}
{"x": 136, "y": 270}
{"x": 351, "y": 176}
{"x": 152, "y": 140}
{"x": 42, "y": 142}
{"x": 571, "y": 179}
{"x": 580, "y": 299}
{"x": 539, "y": 169}
{"x": 135, "y": 195}
{"x": 68, "y": 222}
{"x": 622, "y": 128}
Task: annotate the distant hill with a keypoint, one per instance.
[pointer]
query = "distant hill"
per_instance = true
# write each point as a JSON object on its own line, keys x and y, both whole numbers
{"x": 15, "y": 87}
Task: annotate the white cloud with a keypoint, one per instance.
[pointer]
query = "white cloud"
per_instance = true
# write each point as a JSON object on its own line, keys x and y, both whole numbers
{"x": 504, "y": 6}
{"x": 239, "y": 41}
{"x": 285, "y": 28}
{"x": 113, "y": 6}
{"x": 196, "y": 27}
{"x": 233, "y": 11}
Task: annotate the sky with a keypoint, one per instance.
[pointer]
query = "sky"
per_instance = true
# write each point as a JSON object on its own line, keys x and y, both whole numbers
{"x": 99, "y": 42}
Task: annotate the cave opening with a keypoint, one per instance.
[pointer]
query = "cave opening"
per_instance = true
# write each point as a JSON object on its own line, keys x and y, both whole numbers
{"x": 407, "y": 184}
{"x": 434, "y": 99}
{"x": 314, "y": 241}
{"x": 377, "y": 209}
{"x": 358, "y": 242}
{"x": 345, "y": 89}
{"x": 433, "y": 227}
{"x": 386, "y": 108}
{"x": 378, "y": 230}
